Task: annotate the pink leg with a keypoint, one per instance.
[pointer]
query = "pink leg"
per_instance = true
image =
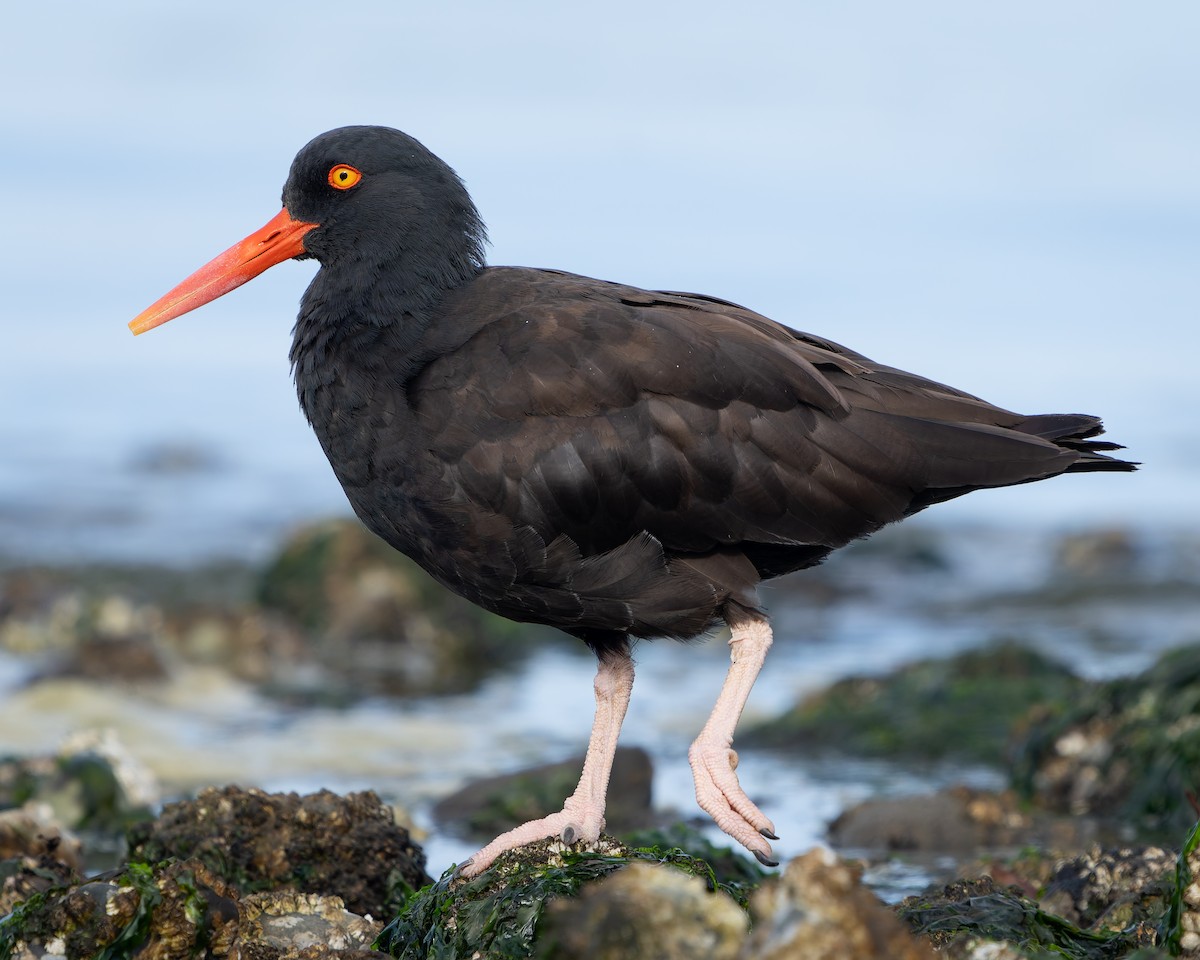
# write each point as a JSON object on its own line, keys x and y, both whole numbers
{"x": 582, "y": 815}
{"x": 712, "y": 757}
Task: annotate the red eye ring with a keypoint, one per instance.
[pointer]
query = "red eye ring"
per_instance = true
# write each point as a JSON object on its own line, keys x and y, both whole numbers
{"x": 342, "y": 176}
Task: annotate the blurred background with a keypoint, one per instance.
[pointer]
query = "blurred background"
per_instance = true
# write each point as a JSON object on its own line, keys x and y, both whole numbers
{"x": 1002, "y": 197}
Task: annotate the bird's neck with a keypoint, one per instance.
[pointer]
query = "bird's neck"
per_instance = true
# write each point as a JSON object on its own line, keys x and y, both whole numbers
{"x": 377, "y": 293}
{"x": 366, "y": 319}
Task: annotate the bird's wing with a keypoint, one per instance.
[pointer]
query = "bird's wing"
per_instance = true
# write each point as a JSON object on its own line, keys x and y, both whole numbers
{"x": 599, "y": 411}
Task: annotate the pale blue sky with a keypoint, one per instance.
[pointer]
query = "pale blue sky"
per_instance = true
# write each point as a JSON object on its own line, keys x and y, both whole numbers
{"x": 1002, "y": 196}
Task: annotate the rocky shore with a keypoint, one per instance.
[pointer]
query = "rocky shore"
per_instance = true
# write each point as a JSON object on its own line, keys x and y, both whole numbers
{"x": 1089, "y": 850}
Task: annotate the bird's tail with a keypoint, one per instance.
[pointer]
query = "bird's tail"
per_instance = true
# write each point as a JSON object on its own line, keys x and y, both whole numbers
{"x": 1074, "y": 431}
{"x": 995, "y": 461}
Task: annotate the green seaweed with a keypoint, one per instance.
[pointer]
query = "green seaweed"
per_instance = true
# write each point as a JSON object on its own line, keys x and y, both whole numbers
{"x": 722, "y": 867}
{"x": 75, "y": 915}
{"x": 965, "y": 706}
{"x": 1171, "y": 931}
{"x": 980, "y": 910}
{"x": 83, "y": 789}
{"x": 1149, "y": 722}
{"x": 136, "y": 932}
{"x": 497, "y": 913}
{"x": 14, "y": 926}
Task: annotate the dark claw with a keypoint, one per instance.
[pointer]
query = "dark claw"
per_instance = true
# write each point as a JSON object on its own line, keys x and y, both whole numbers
{"x": 569, "y": 834}
{"x": 768, "y": 834}
{"x": 459, "y": 868}
{"x": 765, "y": 860}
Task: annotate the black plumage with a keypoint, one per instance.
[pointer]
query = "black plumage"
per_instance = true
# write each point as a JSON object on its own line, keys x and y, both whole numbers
{"x": 604, "y": 459}
{"x": 612, "y": 461}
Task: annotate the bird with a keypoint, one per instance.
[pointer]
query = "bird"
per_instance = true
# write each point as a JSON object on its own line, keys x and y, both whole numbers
{"x": 619, "y": 463}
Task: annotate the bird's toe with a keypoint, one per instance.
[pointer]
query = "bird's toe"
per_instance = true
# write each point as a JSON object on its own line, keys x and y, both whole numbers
{"x": 462, "y": 869}
{"x": 721, "y": 796}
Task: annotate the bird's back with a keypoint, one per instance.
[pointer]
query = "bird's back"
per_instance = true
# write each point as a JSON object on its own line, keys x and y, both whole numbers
{"x": 613, "y": 460}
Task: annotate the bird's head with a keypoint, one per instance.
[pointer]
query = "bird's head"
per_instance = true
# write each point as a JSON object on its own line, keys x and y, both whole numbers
{"x": 355, "y": 195}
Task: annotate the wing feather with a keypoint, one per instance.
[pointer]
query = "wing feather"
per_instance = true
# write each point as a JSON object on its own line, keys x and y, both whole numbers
{"x": 605, "y": 415}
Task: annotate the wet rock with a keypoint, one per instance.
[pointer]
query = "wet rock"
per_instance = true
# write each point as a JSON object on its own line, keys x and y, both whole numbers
{"x": 24, "y": 877}
{"x": 133, "y": 625}
{"x": 1126, "y": 749}
{"x": 33, "y": 831}
{"x": 644, "y": 910}
{"x": 380, "y": 621}
{"x": 37, "y": 853}
{"x": 252, "y": 950}
{"x": 106, "y": 639}
{"x": 283, "y": 926}
{"x": 965, "y": 706}
{"x": 941, "y": 832}
{"x": 1097, "y": 554}
{"x": 58, "y": 610}
{"x": 176, "y": 910}
{"x": 92, "y": 784}
{"x": 253, "y": 645}
{"x": 320, "y": 843}
{"x": 1181, "y": 925}
{"x": 979, "y": 918}
{"x": 819, "y": 910}
{"x": 737, "y": 872}
{"x": 1112, "y": 890}
{"x": 111, "y": 660}
{"x": 486, "y": 808}
{"x": 958, "y": 820}
{"x": 499, "y": 913}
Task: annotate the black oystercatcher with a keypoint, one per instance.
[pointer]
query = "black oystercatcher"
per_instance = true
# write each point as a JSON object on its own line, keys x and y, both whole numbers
{"x": 614, "y": 462}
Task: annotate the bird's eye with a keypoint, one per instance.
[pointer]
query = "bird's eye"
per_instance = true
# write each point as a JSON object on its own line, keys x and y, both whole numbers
{"x": 342, "y": 176}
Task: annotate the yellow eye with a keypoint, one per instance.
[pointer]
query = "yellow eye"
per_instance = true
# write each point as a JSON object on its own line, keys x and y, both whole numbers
{"x": 342, "y": 176}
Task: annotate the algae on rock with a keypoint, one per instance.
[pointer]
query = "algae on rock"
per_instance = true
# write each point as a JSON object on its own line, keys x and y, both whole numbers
{"x": 965, "y": 706}
{"x": 497, "y": 914}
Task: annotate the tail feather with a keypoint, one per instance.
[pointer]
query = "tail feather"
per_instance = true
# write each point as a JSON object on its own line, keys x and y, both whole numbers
{"x": 1070, "y": 432}
{"x": 1074, "y": 431}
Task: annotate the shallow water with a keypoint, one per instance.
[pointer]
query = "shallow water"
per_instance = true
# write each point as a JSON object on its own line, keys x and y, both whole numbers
{"x": 204, "y": 728}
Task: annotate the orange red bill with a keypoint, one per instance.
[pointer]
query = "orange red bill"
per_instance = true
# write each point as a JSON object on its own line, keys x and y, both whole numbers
{"x": 279, "y": 239}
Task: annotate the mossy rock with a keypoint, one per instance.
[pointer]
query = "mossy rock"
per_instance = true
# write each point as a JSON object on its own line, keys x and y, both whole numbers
{"x": 168, "y": 910}
{"x": 320, "y": 843}
{"x": 83, "y": 789}
{"x": 971, "y": 911}
{"x": 729, "y": 868}
{"x": 1127, "y": 748}
{"x": 498, "y": 913}
{"x": 181, "y": 909}
{"x": 965, "y": 706}
{"x": 379, "y": 620}
{"x": 488, "y": 807}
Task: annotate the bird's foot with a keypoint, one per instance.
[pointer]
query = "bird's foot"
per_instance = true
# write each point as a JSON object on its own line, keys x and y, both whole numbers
{"x": 578, "y": 820}
{"x": 722, "y": 798}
